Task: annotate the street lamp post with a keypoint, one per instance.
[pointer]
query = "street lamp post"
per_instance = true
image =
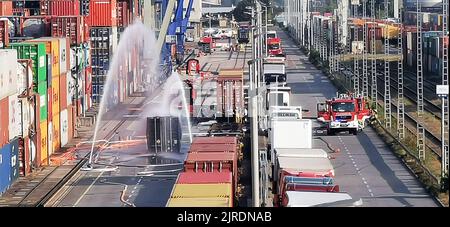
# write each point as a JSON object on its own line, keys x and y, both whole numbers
{"x": 442, "y": 92}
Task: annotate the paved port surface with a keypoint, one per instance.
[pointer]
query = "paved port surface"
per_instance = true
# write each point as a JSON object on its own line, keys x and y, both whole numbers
{"x": 365, "y": 167}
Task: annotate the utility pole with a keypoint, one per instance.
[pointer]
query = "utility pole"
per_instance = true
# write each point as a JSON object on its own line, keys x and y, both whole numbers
{"x": 374, "y": 93}
{"x": 445, "y": 114}
{"x": 387, "y": 79}
{"x": 356, "y": 87}
{"x": 254, "y": 108}
{"x": 366, "y": 45}
{"x": 400, "y": 100}
{"x": 420, "y": 129}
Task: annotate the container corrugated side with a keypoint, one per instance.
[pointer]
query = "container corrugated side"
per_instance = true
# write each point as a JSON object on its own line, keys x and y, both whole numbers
{"x": 64, "y": 127}
{"x": 8, "y": 72}
{"x": 72, "y": 27}
{"x": 215, "y": 140}
{"x": 202, "y": 190}
{"x": 205, "y": 178}
{"x": 51, "y": 47}
{"x": 14, "y": 163}
{"x": 195, "y": 147}
{"x": 55, "y": 95}
{"x": 200, "y": 202}
{"x": 43, "y": 103}
{"x": 102, "y": 13}
{"x": 64, "y": 55}
{"x": 43, "y": 142}
{"x": 6, "y": 8}
{"x": 14, "y": 115}
{"x": 56, "y": 133}
{"x": 4, "y": 121}
{"x": 64, "y": 7}
{"x": 36, "y": 52}
{"x": 5, "y": 168}
{"x": 63, "y": 91}
{"x": 4, "y": 33}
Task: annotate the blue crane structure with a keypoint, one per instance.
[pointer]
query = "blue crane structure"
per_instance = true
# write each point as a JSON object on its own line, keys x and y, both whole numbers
{"x": 178, "y": 27}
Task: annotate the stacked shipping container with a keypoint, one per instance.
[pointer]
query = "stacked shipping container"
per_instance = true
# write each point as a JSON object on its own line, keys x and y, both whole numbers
{"x": 210, "y": 174}
{"x": 46, "y": 82}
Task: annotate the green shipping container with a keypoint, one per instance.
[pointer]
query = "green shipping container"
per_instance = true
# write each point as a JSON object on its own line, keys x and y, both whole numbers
{"x": 35, "y": 52}
{"x": 42, "y": 91}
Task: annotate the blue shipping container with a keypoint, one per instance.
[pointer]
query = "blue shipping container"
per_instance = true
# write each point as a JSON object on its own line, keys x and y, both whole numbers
{"x": 5, "y": 168}
{"x": 14, "y": 174}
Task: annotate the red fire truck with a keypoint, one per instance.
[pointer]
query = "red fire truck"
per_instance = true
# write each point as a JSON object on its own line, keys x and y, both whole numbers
{"x": 344, "y": 113}
{"x": 274, "y": 47}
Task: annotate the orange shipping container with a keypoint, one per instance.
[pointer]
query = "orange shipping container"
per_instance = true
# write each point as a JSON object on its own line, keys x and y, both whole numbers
{"x": 6, "y": 8}
{"x": 43, "y": 142}
{"x": 63, "y": 91}
{"x": 52, "y": 47}
{"x": 56, "y": 140}
{"x": 55, "y": 96}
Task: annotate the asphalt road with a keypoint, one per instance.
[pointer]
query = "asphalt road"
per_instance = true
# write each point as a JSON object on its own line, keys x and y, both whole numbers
{"x": 365, "y": 168}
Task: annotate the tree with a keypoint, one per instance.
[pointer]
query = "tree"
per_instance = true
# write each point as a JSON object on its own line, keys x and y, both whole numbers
{"x": 238, "y": 12}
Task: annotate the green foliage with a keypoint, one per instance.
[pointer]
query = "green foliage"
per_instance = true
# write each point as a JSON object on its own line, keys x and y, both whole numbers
{"x": 238, "y": 12}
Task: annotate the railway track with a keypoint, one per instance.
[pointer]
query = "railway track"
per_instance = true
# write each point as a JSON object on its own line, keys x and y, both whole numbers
{"x": 429, "y": 107}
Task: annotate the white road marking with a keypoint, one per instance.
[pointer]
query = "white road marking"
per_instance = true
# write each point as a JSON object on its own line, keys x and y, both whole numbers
{"x": 87, "y": 189}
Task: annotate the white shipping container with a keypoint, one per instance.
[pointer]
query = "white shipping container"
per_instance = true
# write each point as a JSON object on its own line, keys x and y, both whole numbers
{"x": 64, "y": 55}
{"x": 8, "y": 72}
{"x": 14, "y": 126}
{"x": 22, "y": 71}
{"x": 27, "y": 110}
{"x": 426, "y": 17}
{"x": 409, "y": 41}
{"x": 64, "y": 130}
{"x": 70, "y": 88}
{"x": 301, "y": 153}
{"x": 309, "y": 199}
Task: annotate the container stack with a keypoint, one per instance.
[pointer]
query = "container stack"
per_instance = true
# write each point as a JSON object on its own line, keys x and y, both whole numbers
{"x": 210, "y": 174}
{"x": 55, "y": 55}
{"x": 432, "y": 45}
{"x": 102, "y": 21}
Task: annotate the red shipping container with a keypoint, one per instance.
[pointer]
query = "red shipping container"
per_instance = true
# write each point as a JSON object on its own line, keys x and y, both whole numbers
{"x": 102, "y": 13}
{"x": 69, "y": 26}
{"x": 63, "y": 91}
{"x": 212, "y": 162}
{"x": 4, "y": 33}
{"x": 6, "y": 8}
{"x": 4, "y": 121}
{"x": 64, "y": 7}
{"x": 205, "y": 178}
{"x": 215, "y": 140}
{"x": 122, "y": 14}
{"x": 212, "y": 148}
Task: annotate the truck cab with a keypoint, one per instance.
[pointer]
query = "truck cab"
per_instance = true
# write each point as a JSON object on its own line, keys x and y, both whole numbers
{"x": 344, "y": 113}
{"x": 274, "y": 47}
{"x": 273, "y": 96}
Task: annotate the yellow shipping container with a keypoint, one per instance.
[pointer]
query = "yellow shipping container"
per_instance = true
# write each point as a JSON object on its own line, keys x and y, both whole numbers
{"x": 55, "y": 96}
{"x": 56, "y": 140}
{"x": 52, "y": 47}
{"x": 202, "y": 190}
{"x": 392, "y": 31}
{"x": 43, "y": 142}
{"x": 200, "y": 202}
